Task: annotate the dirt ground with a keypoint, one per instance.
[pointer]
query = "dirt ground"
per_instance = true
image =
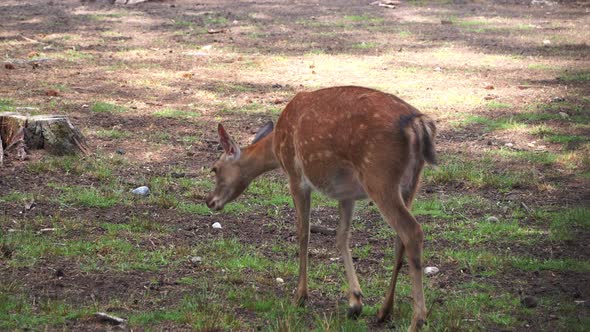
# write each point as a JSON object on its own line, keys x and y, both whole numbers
{"x": 240, "y": 62}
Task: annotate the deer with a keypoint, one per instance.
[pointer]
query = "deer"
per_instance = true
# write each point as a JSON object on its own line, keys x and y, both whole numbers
{"x": 349, "y": 143}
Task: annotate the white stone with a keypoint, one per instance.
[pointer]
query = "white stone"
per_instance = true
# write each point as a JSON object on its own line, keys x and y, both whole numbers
{"x": 431, "y": 270}
{"x": 280, "y": 280}
{"x": 142, "y": 191}
{"x": 216, "y": 225}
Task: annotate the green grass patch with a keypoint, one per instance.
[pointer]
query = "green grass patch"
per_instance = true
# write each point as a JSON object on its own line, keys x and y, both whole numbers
{"x": 497, "y": 105}
{"x": 97, "y": 166}
{"x": 490, "y": 124}
{"x": 18, "y": 313}
{"x": 535, "y": 264}
{"x": 16, "y": 196}
{"x": 108, "y": 252}
{"x": 189, "y": 139}
{"x": 195, "y": 208}
{"x": 469, "y": 23}
{"x": 73, "y": 55}
{"x": 479, "y": 174}
{"x": 583, "y": 76}
{"x": 6, "y": 105}
{"x": 104, "y": 107}
{"x": 565, "y": 139}
{"x": 540, "y": 66}
{"x": 363, "y": 19}
{"x": 488, "y": 263}
{"x": 175, "y": 113}
{"x": 91, "y": 196}
{"x": 404, "y": 33}
{"x": 216, "y": 20}
{"x": 183, "y": 23}
{"x": 569, "y": 224}
{"x": 484, "y": 232}
{"x": 534, "y": 157}
{"x": 474, "y": 309}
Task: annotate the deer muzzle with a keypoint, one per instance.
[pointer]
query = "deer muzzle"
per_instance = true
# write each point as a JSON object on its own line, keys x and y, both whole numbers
{"x": 214, "y": 203}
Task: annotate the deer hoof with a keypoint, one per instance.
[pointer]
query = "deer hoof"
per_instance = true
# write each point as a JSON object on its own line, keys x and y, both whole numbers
{"x": 355, "y": 310}
{"x": 300, "y": 300}
{"x": 417, "y": 325}
{"x": 383, "y": 315}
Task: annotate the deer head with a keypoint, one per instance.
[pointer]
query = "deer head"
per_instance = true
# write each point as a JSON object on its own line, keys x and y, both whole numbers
{"x": 235, "y": 169}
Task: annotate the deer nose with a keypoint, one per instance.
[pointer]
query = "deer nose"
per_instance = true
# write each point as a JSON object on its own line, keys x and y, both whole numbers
{"x": 213, "y": 203}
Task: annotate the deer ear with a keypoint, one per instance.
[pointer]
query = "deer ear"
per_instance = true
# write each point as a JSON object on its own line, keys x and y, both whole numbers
{"x": 232, "y": 150}
{"x": 263, "y": 131}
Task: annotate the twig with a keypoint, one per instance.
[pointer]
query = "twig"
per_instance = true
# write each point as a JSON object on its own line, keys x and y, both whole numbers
{"x": 31, "y": 40}
{"x": 110, "y": 318}
{"x": 322, "y": 230}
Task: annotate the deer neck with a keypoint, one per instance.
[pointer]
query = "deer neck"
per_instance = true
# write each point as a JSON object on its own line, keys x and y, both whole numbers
{"x": 259, "y": 158}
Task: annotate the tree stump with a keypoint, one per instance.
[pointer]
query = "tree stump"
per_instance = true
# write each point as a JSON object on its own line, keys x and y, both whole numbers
{"x": 54, "y": 133}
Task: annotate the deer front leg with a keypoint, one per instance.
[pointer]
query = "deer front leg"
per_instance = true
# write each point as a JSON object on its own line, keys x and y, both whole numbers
{"x": 355, "y": 304}
{"x": 302, "y": 199}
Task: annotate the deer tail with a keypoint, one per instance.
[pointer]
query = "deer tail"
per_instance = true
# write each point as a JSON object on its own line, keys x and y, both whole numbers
{"x": 424, "y": 129}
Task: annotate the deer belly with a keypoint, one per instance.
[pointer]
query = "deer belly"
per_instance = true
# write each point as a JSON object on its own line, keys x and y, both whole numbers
{"x": 341, "y": 185}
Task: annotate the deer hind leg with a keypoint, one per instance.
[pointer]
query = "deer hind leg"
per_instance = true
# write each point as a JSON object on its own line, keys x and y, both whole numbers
{"x": 385, "y": 311}
{"x": 388, "y": 199}
{"x": 408, "y": 192}
{"x": 302, "y": 199}
{"x": 355, "y": 304}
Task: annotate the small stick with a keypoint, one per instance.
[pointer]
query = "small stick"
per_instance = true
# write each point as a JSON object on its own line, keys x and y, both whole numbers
{"x": 322, "y": 230}
{"x": 110, "y": 318}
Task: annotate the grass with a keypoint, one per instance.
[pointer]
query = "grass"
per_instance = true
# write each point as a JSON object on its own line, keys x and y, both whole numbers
{"x": 569, "y": 224}
{"x": 484, "y": 232}
{"x": 17, "y": 312}
{"x": 16, "y": 196}
{"x": 104, "y": 107}
{"x": 479, "y": 174}
{"x": 487, "y": 263}
{"x": 99, "y": 166}
{"x": 565, "y": 139}
{"x": 174, "y": 113}
{"x": 582, "y": 76}
{"x": 533, "y": 157}
{"x": 90, "y": 197}
{"x": 497, "y": 105}
{"x": 490, "y": 124}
